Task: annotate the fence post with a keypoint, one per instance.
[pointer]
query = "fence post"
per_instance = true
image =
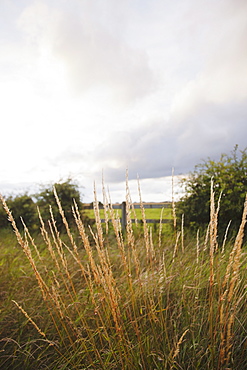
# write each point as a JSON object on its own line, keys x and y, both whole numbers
{"x": 124, "y": 216}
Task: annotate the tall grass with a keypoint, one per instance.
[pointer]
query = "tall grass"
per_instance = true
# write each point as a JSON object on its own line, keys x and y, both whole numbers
{"x": 108, "y": 298}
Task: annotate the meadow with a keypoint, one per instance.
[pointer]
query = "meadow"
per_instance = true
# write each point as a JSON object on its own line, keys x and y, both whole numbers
{"x": 99, "y": 297}
{"x": 150, "y": 213}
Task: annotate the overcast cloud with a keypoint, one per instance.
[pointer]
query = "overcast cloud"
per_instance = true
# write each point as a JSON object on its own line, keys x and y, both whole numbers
{"x": 92, "y": 86}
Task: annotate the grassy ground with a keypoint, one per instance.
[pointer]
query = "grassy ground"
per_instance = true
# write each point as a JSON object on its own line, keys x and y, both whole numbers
{"x": 102, "y": 299}
{"x": 150, "y": 213}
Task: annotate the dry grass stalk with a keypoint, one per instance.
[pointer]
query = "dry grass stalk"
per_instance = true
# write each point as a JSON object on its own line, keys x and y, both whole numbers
{"x": 106, "y": 205}
{"x": 160, "y": 227}
{"x": 12, "y": 221}
{"x": 129, "y": 200}
{"x": 65, "y": 222}
{"x": 206, "y": 238}
{"x": 235, "y": 259}
{"x": 46, "y": 293}
{"x": 119, "y": 238}
{"x": 59, "y": 248}
{"x": 213, "y": 231}
{"x": 100, "y": 236}
{"x": 216, "y": 220}
{"x": 86, "y": 243}
{"x": 177, "y": 348}
{"x": 102, "y": 254}
{"x": 152, "y": 250}
{"x": 56, "y": 235}
{"x": 104, "y": 272}
{"x": 130, "y": 232}
{"x": 225, "y": 238}
{"x": 213, "y": 247}
{"x": 132, "y": 244}
{"x": 163, "y": 272}
{"x": 24, "y": 245}
{"x": 29, "y": 319}
{"x": 235, "y": 254}
{"x": 176, "y": 247}
{"x": 176, "y": 352}
{"x": 182, "y": 233}
{"x": 46, "y": 238}
{"x": 56, "y": 300}
{"x": 197, "y": 246}
{"x": 68, "y": 283}
{"x": 31, "y": 239}
{"x": 57, "y": 241}
{"x": 213, "y": 224}
{"x": 145, "y": 227}
{"x": 173, "y": 203}
{"x": 228, "y": 300}
{"x": 95, "y": 269}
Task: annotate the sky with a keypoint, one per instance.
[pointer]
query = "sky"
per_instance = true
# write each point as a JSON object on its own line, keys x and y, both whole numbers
{"x": 100, "y": 87}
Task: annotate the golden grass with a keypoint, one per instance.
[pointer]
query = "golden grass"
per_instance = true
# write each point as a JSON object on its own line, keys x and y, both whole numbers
{"x": 129, "y": 299}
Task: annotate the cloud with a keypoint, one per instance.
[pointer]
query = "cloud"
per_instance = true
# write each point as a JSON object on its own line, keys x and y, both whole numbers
{"x": 152, "y": 151}
{"x": 208, "y": 113}
{"x": 71, "y": 61}
{"x": 93, "y": 56}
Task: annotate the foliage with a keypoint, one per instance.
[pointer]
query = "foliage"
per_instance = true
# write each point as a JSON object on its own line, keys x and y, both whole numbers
{"x": 22, "y": 206}
{"x": 25, "y": 206}
{"x": 67, "y": 193}
{"x": 229, "y": 175}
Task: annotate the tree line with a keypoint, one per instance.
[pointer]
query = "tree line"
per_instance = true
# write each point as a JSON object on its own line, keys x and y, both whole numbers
{"x": 228, "y": 174}
{"x": 25, "y": 207}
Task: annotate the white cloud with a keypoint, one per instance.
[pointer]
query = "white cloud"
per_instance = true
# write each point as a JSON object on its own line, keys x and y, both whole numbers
{"x": 206, "y": 131}
{"x": 91, "y": 55}
{"x": 91, "y": 86}
{"x": 94, "y": 57}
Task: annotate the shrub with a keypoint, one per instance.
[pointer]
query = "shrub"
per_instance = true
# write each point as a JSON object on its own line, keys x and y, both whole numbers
{"x": 229, "y": 175}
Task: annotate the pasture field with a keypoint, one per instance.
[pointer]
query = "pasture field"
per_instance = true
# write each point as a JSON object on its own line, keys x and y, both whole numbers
{"x": 150, "y": 213}
{"x": 97, "y": 298}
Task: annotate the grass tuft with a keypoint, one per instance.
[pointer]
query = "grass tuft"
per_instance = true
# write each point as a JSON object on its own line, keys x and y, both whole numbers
{"x": 101, "y": 297}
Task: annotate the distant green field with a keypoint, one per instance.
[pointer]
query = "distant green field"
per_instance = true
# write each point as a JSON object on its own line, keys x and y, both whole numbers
{"x": 150, "y": 213}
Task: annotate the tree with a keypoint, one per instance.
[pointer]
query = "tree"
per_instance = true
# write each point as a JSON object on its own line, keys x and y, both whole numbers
{"x": 25, "y": 206}
{"x": 67, "y": 192}
{"x": 229, "y": 176}
{"x": 21, "y": 206}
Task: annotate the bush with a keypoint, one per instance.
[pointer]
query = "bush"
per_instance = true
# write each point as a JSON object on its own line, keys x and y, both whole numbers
{"x": 22, "y": 206}
{"x": 67, "y": 193}
{"x": 25, "y": 206}
{"x": 230, "y": 182}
